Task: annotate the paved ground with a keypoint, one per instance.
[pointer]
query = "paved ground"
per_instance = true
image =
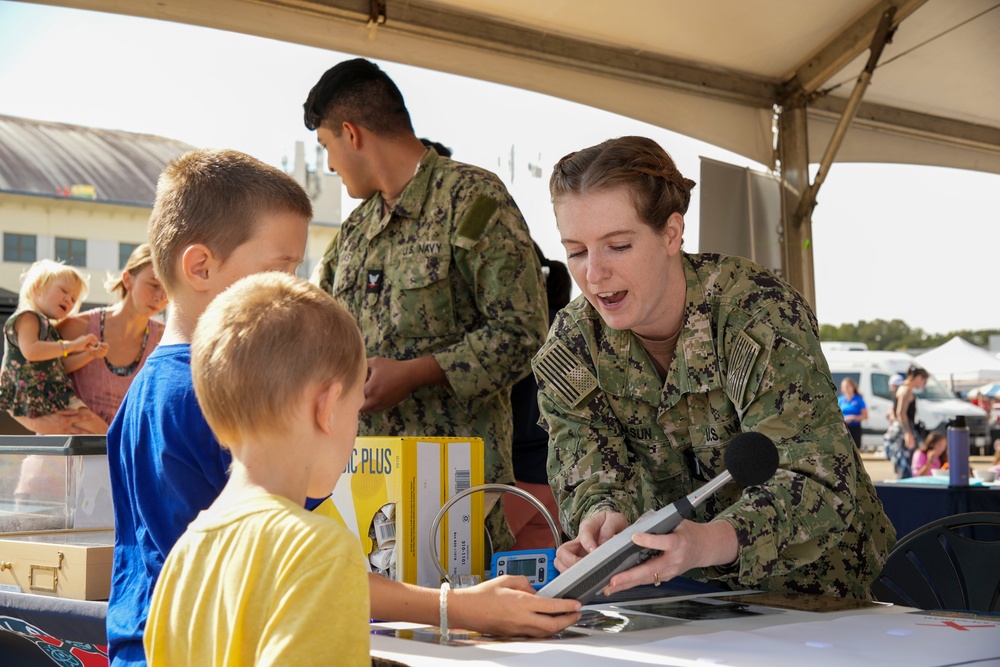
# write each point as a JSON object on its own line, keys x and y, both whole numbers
{"x": 878, "y": 467}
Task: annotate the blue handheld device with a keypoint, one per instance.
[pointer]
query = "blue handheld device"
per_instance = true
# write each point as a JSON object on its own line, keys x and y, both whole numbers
{"x": 539, "y": 566}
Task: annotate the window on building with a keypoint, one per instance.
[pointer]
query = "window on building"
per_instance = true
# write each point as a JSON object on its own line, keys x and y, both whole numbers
{"x": 124, "y": 252}
{"x": 71, "y": 251}
{"x": 20, "y": 247}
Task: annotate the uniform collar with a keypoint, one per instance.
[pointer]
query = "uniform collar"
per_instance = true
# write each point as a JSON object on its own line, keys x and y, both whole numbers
{"x": 624, "y": 368}
{"x": 411, "y": 200}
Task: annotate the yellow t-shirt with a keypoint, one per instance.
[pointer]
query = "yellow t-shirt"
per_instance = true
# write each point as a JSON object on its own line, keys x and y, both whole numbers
{"x": 262, "y": 583}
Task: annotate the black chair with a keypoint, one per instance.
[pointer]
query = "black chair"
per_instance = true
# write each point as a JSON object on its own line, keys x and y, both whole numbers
{"x": 951, "y": 563}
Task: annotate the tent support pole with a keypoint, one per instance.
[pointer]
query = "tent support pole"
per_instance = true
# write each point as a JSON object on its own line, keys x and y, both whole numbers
{"x": 796, "y": 246}
{"x": 883, "y": 35}
{"x": 799, "y": 197}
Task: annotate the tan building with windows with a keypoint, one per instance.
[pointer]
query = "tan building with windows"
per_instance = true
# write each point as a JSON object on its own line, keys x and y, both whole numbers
{"x": 83, "y": 195}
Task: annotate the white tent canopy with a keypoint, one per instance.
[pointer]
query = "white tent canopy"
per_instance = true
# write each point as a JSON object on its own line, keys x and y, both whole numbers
{"x": 714, "y": 70}
{"x": 782, "y": 82}
{"x": 961, "y": 362}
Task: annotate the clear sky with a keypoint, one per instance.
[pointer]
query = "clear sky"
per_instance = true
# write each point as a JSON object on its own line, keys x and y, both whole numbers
{"x": 891, "y": 241}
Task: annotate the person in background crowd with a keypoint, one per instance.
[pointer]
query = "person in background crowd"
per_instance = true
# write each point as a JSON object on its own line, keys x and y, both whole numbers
{"x": 128, "y": 330}
{"x": 910, "y": 430}
{"x": 852, "y": 404}
{"x": 931, "y": 455}
{"x": 33, "y": 380}
{"x": 892, "y": 439}
{"x": 895, "y": 382}
{"x": 996, "y": 457}
{"x": 438, "y": 147}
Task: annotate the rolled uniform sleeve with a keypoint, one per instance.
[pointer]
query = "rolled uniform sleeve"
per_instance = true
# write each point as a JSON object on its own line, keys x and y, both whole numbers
{"x": 809, "y": 504}
{"x": 494, "y": 253}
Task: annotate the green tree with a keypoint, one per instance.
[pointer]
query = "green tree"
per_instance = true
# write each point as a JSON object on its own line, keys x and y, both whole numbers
{"x": 897, "y": 335}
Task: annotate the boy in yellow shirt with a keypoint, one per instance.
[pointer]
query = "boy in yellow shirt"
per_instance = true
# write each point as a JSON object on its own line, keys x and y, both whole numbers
{"x": 278, "y": 371}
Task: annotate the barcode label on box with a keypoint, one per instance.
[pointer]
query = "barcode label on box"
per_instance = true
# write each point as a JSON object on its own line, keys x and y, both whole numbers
{"x": 459, "y": 535}
{"x": 462, "y": 480}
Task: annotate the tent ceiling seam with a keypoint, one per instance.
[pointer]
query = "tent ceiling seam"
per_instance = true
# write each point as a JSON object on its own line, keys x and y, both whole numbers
{"x": 536, "y": 46}
{"x": 902, "y": 122}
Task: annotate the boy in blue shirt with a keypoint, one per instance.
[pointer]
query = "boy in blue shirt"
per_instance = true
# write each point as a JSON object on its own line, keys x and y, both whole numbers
{"x": 219, "y": 216}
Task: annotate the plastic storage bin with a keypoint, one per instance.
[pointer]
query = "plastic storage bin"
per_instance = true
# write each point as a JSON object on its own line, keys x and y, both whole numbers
{"x": 54, "y": 482}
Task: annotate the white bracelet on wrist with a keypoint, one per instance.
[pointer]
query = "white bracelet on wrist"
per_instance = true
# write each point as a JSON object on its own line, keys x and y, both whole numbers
{"x": 445, "y": 587}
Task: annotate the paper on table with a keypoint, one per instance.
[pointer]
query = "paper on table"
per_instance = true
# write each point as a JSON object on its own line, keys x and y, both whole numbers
{"x": 868, "y": 639}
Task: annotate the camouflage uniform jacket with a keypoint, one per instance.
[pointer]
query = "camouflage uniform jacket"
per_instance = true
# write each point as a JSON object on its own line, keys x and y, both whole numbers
{"x": 748, "y": 359}
{"x": 450, "y": 272}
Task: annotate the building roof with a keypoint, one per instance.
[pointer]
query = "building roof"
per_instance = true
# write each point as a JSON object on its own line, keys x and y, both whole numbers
{"x": 44, "y": 158}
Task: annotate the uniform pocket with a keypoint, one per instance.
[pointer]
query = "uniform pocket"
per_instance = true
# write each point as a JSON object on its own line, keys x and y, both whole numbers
{"x": 344, "y": 279}
{"x": 422, "y": 305}
{"x": 708, "y": 447}
{"x": 654, "y": 454}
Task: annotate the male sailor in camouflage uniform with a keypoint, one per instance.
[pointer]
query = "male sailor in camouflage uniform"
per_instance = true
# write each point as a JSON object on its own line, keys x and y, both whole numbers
{"x": 665, "y": 357}
{"x": 439, "y": 269}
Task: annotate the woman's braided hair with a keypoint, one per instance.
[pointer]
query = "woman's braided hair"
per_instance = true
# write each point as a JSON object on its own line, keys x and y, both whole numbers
{"x": 657, "y": 188}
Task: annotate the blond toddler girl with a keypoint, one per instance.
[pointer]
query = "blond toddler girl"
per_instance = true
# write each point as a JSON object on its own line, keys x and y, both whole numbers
{"x": 36, "y": 359}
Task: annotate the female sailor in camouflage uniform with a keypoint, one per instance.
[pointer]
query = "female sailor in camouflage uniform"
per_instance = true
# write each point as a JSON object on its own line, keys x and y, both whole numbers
{"x": 663, "y": 359}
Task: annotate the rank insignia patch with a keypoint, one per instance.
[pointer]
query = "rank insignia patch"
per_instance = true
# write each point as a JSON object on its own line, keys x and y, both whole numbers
{"x": 373, "y": 281}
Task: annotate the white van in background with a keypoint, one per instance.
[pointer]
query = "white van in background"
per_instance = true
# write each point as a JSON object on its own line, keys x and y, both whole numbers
{"x": 843, "y": 346}
{"x": 936, "y": 405}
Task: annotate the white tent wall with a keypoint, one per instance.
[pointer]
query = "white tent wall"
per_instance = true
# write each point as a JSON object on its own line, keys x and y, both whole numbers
{"x": 740, "y": 213}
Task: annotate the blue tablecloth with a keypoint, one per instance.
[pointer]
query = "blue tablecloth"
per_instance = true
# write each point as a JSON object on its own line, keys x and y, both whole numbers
{"x": 46, "y": 631}
{"x": 912, "y": 505}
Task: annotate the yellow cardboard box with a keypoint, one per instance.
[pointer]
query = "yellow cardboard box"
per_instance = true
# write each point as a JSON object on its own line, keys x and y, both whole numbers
{"x": 414, "y": 476}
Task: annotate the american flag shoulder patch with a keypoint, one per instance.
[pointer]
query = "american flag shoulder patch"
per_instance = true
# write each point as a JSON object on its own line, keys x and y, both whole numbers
{"x": 564, "y": 374}
{"x": 741, "y": 361}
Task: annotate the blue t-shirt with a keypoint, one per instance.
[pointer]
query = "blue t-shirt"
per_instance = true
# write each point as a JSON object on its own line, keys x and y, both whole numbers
{"x": 166, "y": 467}
{"x": 854, "y": 406}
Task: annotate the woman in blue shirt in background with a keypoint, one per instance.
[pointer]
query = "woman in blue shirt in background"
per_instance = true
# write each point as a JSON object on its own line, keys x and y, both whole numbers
{"x": 852, "y": 404}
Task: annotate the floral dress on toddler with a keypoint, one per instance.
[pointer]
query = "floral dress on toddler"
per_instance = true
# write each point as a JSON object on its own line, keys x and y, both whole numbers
{"x": 33, "y": 388}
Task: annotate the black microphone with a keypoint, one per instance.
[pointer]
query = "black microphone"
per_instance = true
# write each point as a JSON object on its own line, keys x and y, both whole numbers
{"x": 750, "y": 458}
